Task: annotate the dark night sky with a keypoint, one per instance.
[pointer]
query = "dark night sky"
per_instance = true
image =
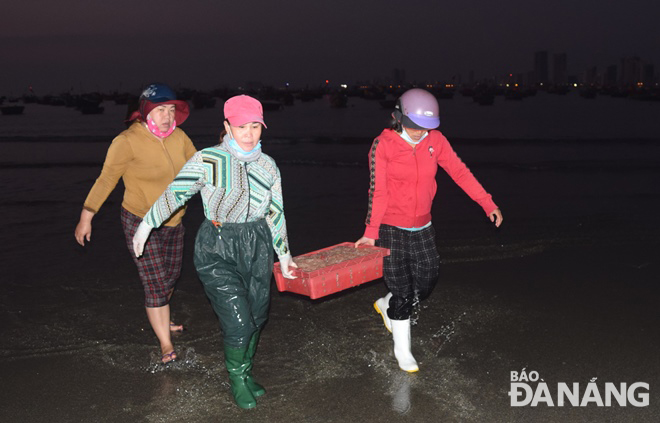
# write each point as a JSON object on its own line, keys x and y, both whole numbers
{"x": 123, "y": 44}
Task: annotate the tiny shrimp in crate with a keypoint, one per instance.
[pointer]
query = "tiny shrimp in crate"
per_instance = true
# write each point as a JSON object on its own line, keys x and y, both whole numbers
{"x": 333, "y": 269}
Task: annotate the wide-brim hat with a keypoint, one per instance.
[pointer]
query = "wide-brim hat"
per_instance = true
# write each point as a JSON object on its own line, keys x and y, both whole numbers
{"x": 181, "y": 109}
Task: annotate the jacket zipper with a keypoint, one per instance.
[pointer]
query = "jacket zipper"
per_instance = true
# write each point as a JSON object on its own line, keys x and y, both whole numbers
{"x": 247, "y": 178}
{"x": 162, "y": 144}
{"x": 416, "y": 183}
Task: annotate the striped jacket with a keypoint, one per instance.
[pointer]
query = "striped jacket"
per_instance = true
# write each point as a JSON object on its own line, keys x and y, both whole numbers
{"x": 232, "y": 191}
{"x": 403, "y": 186}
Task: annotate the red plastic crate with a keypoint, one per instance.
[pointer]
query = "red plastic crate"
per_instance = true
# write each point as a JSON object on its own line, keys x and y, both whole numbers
{"x": 336, "y": 277}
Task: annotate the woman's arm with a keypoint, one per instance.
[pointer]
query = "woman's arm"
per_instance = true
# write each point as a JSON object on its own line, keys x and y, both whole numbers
{"x": 84, "y": 228}
{"x": 276, "y": 220}
{"x": 117, "y": 159}
{"x": 459, "y": 172}
{"x": 190, "y": 179}
{"x": 378, "y": 196}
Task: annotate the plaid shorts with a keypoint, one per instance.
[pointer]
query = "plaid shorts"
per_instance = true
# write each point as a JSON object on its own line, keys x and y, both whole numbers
{"x": 412, "y": 268}
{"x": 160, "y": 264}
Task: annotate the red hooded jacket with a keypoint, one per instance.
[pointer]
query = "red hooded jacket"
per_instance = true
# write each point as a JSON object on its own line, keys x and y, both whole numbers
{"x": 402, "y": 180}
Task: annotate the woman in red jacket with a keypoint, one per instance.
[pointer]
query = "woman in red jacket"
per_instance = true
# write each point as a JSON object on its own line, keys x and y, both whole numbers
{"x": 403, "y": 162}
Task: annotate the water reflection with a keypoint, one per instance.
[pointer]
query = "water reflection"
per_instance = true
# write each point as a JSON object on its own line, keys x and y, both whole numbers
{"x": 400, "y": 388}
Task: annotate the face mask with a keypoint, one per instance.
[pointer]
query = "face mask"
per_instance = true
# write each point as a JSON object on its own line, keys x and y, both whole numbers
{"x": 157, "y": 132}
{"x": 233, "y": 144}
{"x": 238, "y": 152}
{"x": 406, "y": 137}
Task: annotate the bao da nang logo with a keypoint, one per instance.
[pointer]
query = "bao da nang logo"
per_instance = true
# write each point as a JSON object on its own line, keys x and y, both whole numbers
{"x": 528, "y": 389}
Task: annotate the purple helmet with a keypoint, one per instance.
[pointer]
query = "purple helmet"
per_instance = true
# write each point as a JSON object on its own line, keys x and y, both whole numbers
{"x": 417, "y": 109}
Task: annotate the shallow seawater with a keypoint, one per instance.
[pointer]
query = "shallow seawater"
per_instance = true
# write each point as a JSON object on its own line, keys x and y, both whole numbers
{"x": 565, "y": 286}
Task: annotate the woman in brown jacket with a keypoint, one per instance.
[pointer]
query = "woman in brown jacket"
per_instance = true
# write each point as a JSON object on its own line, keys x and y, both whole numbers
{"x": 147, "y": 156}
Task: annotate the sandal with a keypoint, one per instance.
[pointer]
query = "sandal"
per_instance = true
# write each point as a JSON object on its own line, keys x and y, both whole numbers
{"x": 171, "y": 356}
{"x": 176, "y": 328}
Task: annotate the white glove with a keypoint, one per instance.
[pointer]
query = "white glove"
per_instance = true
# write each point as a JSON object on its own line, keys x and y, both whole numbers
{"x": 140, "y": 237}
{"x": 286, "y": 263}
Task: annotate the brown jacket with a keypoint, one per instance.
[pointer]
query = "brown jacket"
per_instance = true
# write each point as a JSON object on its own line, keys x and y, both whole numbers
{"x": 147, "y": 166}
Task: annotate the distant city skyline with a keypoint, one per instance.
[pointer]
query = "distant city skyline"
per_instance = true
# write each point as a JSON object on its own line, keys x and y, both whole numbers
{"x": 552, "y": 68}
{"x": 546, "y": 68}
{"x": 122, "y": 45}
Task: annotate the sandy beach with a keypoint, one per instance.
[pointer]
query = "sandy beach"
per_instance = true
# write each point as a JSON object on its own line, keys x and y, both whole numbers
{"x": 567, "y": 287}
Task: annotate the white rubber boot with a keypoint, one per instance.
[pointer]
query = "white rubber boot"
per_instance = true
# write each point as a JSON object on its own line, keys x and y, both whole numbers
{"x": 381, "y": 305}
{"x": 401, "y": 335}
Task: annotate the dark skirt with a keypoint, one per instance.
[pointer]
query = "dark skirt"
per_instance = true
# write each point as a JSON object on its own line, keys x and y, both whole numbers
{"x": 160, "y": 264}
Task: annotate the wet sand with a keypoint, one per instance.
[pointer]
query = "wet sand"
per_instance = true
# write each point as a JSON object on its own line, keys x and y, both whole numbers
{"x": 568, "y": 290}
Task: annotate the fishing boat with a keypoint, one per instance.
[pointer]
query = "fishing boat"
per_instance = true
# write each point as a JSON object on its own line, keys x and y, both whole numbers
{"x": 12, "y": 110}
{"x": 272, "y": 105}
{"x": 387, "y": 104}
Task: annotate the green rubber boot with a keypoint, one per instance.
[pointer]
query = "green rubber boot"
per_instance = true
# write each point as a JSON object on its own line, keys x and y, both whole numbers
{"x": 236, "y": 360}
{"x": 256, "y": 389}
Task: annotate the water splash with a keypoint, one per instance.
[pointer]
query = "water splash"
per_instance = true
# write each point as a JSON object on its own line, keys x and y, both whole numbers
{"x": 445, "y": 334}
{"x": 377, "y": 362}
{"x": 415, "y": 310}
{"x": 187, "y": 359}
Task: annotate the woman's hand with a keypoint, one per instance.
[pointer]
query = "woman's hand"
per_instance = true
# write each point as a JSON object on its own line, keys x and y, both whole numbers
{"x": 84, "y": 228}
{"x": 496, "y": 217}
{"x": 140, "y": 238}
{"x": 366, "y": 241}
{"x": 286, "y": 263}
